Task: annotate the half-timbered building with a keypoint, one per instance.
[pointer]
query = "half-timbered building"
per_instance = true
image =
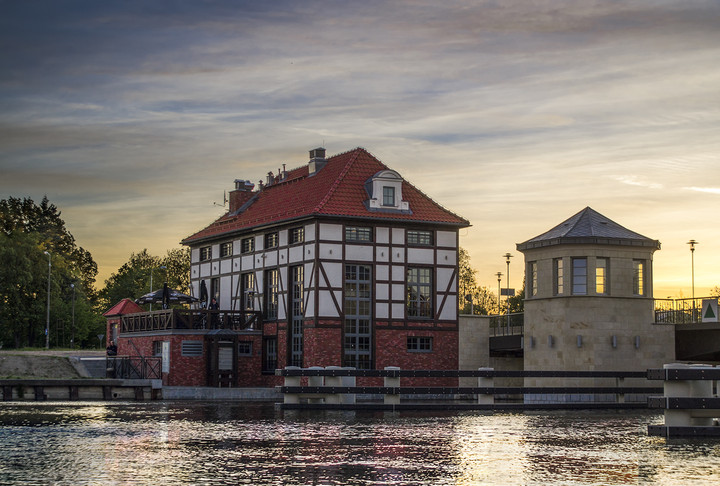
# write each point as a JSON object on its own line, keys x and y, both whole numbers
{"x": 343, "y": 263}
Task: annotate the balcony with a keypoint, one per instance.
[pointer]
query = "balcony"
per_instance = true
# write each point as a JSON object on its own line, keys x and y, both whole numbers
{"x": 189, "y": 319}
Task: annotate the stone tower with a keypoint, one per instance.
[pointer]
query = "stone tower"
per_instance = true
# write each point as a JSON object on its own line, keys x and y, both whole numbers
{"x": 589, "y": 303}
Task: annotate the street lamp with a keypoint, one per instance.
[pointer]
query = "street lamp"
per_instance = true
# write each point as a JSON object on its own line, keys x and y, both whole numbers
{"x": 692, "y": 244}
{"x": 151, "y": 280}
{"x": 499, "y": 275}
{"x": 47, "y": 319}
{"x": 508, "y": 256}
{"x": 72, "y": 336}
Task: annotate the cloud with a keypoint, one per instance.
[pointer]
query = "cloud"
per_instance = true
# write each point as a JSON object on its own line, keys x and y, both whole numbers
{"x": 709, "y": 190}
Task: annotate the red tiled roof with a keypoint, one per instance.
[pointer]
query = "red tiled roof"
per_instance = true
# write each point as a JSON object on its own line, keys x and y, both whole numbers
{"x": 125, "y": 306}
{"x": 338, "y": 189}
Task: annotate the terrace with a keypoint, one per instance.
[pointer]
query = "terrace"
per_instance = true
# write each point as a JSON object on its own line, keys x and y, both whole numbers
{"x": 190, "y": 319}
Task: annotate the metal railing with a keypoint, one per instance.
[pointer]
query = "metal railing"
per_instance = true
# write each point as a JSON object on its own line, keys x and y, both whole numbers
{"x": 507, "y": 324}
{"x": 134, "y": 367}
{"x": 679, "y": 311}
{"x": 168, "y": 319}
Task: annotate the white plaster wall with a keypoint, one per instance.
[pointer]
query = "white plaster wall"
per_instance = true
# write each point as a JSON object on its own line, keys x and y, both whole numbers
{"x": 332, "y": 232}
{"x": 295, "y": 254}
{"x": 446, "y": 257}
{"x": 381, "y": 311}
{"x": 330, "y": 251}
{"x": 359, "y": 253}
{"x": 398, "y": 273}
{"x": 422, "y": 256}
{"x": 382, "y": 272}
{"x": 382, "y": 235}
{"x": 446, "y": 239}
{"x": 398, "y": 236}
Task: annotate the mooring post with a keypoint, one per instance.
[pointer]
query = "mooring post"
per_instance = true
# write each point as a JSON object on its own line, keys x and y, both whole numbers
{"x": 316, "y": 381}
{"x": 620, "y": 383}
{"x": 392, "y": 381}
{"x": 687, "y": 389}
{"x": 333, "y": 381}
{"x": 486, "y": 382}
{"x": 292, "y": 381}
{"x": 348, "y": 381}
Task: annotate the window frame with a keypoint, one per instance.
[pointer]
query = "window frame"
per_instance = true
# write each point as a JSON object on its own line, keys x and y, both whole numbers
{"x": 579, "y": 283}
{"x": 419, "y": 344}
{"x": 226, "y": 249}
{"x": 639, "y": 278}
{"x": 272, "y": 240}
{"x": 419, "y": 237}
{"x": 602, "y": 276}
{"x": 358, "y": 234}
{"x": 248, "y": 351}
{"x": 418, "y": 308}
{"x": 533, "y": 273}
{"x": 297, "y": 235}
{"x": 271, "y": 298}
{"x": 247, "y": 245}
{"x": 558, "y": 276}
{"x": 205, "y": 253}
{"x": 388, "y": 196}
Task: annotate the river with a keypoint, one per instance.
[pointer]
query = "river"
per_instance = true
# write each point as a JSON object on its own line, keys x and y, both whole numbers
{"x": 184, "y": 443}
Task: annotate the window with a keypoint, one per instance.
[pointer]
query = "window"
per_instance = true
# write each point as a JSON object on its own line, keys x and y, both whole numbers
{"x": 424, "y": 238}
{"x": 247, "y": 245}
{"x": 559, "y": 276}
{"x": 419, "y": 293}
{"x": 297, "y": 235}
{"x": 357, "y": 345}
{"x": 248, "y": 292}
{"x": 638, "y": 277}
{"x": 579, "y": 276}
{"x": 245, "y": 348}
{"x": 271, "y": 240}
{"x": 215, "y": 289}
{"x": 226, "y": 249}
{"x": 270, "y": 354}
{"x": 533, "y": 276}
{"x": 271, "y": 294}
{"x": 205, "y": 253}
{"x": 355, "y": 233}
{"x": 388, "y": 196}
{"x": 191, "y": 348}
{"x": 419, "y": 344}
{"x": 157, "y": 348}
{"x": 297, "y": 297}
{"x": 602, "y": 268}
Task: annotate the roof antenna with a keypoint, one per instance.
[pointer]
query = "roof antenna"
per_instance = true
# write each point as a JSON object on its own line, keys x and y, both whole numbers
{"x": 225, "y": 200}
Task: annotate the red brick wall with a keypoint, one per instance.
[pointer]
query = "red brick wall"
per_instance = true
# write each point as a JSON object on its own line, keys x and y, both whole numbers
{"x": 322, "y": 346}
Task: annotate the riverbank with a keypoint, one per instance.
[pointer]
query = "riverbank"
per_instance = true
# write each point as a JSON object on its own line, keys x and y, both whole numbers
{"x": 42, "y": 364}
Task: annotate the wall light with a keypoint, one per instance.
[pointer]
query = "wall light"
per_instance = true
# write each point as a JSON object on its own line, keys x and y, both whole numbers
{"x": 579, "y": 341}
{"x": 613, "y": 341}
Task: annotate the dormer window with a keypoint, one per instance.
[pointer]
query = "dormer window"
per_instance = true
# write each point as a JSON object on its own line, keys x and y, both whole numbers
{"x": 385, "y": 191}
{"x": 388, "y": 196}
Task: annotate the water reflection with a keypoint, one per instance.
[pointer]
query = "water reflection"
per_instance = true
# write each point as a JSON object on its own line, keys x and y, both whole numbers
{"x": 212, "y": 443}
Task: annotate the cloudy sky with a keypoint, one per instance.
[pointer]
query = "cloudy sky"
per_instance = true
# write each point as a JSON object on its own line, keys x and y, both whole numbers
{"x": 133, "y": 117}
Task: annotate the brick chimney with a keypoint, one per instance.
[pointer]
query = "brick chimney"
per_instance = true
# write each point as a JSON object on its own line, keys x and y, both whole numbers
{"x": 317, "y": 160}
{"x": 241, "y": 194}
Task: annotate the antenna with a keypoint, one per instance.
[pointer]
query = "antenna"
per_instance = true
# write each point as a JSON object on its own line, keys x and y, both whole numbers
{"x": 225, "y": 200}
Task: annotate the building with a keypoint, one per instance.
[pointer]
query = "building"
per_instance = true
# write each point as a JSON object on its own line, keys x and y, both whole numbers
{"x": 589, "y": 300}
{"x": 340, "y": 262}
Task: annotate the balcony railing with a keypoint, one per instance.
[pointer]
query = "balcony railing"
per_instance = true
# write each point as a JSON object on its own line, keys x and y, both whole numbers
{"x": 171, "y": 319}
{"x": 507, "y": 324}
{"x": 679, "y": 311}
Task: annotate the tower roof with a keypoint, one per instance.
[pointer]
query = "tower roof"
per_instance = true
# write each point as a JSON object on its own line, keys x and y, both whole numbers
{"x": 589, "y": 227}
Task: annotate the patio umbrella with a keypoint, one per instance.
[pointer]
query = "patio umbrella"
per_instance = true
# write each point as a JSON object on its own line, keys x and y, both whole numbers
{"x": 172, "y": 296}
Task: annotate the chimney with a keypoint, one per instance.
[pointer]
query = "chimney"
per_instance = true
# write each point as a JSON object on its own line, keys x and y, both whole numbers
{"x": 241, "y": 194}
{"x": 317, "y": 160}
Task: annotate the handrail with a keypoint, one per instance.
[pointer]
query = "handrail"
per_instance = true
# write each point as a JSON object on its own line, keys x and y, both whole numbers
{"x": 169, "y": 319}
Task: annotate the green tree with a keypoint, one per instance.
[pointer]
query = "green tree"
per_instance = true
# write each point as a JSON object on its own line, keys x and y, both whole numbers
{"x": 133, "y": 279}
{"x": 32, "y": 237}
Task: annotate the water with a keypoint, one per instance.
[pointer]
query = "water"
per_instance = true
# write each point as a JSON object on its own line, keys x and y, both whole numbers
{"x": 181, "y": 443}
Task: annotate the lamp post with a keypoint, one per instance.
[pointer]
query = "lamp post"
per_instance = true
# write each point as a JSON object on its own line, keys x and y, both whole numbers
{"x": 692, "y": 244}
{"x": 72, "y": 335}
{"x": 499, "y": 275}
{"x": 47, "y": 319}
{"x": 508, "y": 256}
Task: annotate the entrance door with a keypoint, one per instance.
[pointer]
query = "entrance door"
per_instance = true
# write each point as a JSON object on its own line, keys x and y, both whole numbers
{"x": 222, "y": 359}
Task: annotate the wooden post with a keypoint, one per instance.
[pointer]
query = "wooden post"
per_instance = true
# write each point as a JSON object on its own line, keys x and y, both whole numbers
{"x": 392, "y": 382}
{"x": 486, "y": 382}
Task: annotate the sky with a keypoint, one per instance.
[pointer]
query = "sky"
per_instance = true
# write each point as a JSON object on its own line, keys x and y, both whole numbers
{"x": 134, "y": 117}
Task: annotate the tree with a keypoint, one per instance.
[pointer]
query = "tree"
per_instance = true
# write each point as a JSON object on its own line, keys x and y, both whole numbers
{"x": 478, "y": 300}
{"x": 715, "y": 292}
{"x": 27, "y": 232}
{"x": 133, "y": 279}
